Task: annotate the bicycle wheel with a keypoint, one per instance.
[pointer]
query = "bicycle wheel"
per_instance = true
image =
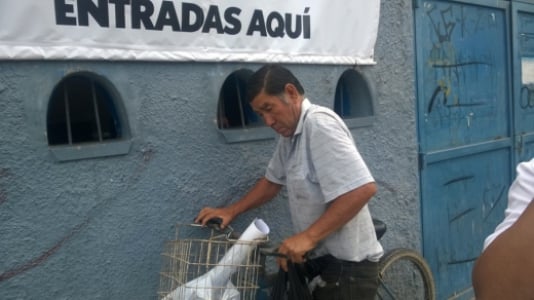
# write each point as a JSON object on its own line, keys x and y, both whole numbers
{"x": 404, "y": 274}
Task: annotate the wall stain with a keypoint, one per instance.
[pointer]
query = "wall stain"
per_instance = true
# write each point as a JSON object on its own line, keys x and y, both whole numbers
{"x": 4, "y": 172}
{"x": 3, "y": 196}
{"x": 39, "y": 260}
{"x": 44, "y": 256}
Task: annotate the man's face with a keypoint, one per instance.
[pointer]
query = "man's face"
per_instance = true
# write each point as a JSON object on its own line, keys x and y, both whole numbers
{"x": 281, "y": 112}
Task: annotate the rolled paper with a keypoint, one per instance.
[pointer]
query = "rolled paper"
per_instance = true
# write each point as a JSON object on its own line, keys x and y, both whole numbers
{"x": 239, "y": 252}
{"x": 200, "y": 288}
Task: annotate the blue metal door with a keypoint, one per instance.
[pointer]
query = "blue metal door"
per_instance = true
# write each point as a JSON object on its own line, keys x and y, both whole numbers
{"x": 466, "y": 134}
{"x": 523, "y": 53}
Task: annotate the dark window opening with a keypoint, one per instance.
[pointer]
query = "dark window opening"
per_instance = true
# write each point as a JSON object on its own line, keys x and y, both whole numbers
{"x": 353, "y": 97}
{"x": 81, "y": 110}
{"x": 233, "y": 109}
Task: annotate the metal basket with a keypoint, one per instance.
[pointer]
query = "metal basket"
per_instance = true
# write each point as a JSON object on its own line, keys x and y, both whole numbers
{"x": 197, "y": 251}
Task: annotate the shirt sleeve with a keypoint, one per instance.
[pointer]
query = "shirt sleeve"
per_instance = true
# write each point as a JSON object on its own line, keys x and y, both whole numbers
{"x": 339, "y": 167}
{"x": 275, "y": 169}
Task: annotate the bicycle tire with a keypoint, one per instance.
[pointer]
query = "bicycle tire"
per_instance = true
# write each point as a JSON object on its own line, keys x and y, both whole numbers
{"x": 405, "y": 274}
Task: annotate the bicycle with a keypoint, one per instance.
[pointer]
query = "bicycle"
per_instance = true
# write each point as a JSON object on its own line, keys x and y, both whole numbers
{"x": 403, "y": 274}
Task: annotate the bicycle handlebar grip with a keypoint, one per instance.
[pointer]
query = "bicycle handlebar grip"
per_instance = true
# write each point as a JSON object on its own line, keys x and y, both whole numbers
{"x": 215, "y": 222}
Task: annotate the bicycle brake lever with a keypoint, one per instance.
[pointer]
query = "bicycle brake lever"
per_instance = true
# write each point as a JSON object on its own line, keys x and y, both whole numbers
{"x": 214, "y": 223}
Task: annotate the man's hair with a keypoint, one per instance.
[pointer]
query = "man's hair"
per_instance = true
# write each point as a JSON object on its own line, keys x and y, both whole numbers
{"x": 271, "y": 79}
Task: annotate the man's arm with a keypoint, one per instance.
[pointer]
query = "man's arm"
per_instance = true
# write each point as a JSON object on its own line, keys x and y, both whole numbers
{"x": 263, "y": 191}
{"x": 340, "y": 211}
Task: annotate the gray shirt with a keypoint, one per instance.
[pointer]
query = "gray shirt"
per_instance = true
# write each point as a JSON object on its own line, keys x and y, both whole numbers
{"x": 319, "y": 163}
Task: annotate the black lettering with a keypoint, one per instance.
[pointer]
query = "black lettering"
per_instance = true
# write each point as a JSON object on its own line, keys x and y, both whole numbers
{"x": 213, "y": 20}
{"x": 306, "y": 25}
{"x": 189, "y": 9}
{"x": 100, "y": 12}
{"x": 167, "y": 17}
{"x": 120, "y": 12}
{"x": 257, "y": 23}
{"x": 275, "y": 25}
{"x": 62, "y": 9}
{"x": 230, "y": 16}
{"x": 298, "y": 26}
{"x": 142, "y": 10}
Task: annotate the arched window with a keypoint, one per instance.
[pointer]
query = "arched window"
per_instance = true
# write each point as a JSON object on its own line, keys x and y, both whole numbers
{"x": 234, "y": 110}
{"x": 235, "y": 117}
{"x": 354, "y": 99}
{"x": 83, "y": 110}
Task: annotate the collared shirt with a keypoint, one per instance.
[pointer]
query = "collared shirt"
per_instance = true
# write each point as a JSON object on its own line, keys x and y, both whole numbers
{"x": 319, "y": 163}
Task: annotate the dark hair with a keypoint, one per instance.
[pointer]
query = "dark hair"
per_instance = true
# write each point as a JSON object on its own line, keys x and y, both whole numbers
{"x": 271, "y": 79}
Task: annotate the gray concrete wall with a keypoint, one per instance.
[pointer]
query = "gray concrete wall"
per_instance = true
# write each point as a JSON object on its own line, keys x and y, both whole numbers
{"x": 95, "y": 228}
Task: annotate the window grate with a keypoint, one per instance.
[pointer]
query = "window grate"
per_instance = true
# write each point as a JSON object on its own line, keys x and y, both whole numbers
{"x": 81, "y": 110}
{"x": 233, "y": 111}
{"x": 97, "y": 115}
{"x": 67, "y": 114}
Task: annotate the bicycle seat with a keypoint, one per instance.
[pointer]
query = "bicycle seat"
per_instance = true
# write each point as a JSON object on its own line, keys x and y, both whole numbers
{"x": 380, "y": 228}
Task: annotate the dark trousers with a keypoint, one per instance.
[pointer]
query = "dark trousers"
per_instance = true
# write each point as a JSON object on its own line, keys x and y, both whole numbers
{"x": 345, "y": 280}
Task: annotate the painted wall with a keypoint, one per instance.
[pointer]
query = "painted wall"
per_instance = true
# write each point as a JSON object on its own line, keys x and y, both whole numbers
{"x": 95, "y": 228}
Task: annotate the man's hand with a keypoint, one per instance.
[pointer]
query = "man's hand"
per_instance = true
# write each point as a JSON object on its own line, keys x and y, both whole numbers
{"x": 226, "y": 215}
{"x": 295, "y": 248}
{"x": 263, "y": 191}
{"x": 338, "y": 213}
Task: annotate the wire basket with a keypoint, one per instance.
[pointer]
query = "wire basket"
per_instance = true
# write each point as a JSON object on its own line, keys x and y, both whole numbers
{"x": 200, "y": 253}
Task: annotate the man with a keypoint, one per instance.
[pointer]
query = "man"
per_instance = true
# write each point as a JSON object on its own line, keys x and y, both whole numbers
{"x": 328, "y": 186}
{"x": 505, "y": 269}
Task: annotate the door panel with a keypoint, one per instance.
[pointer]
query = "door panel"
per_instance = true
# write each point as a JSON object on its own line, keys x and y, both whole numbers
{"x": 463, "y": 67}
{"x": 465, "y": 196}
{"x": 523, "y": 49}
{"x": 465, "y": 132}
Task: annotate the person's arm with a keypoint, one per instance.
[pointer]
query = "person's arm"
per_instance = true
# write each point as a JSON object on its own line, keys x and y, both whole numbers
{"x": 506, "y": 267}
{"x": 339, "y": 212}
{"x": 263, "y": 191}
